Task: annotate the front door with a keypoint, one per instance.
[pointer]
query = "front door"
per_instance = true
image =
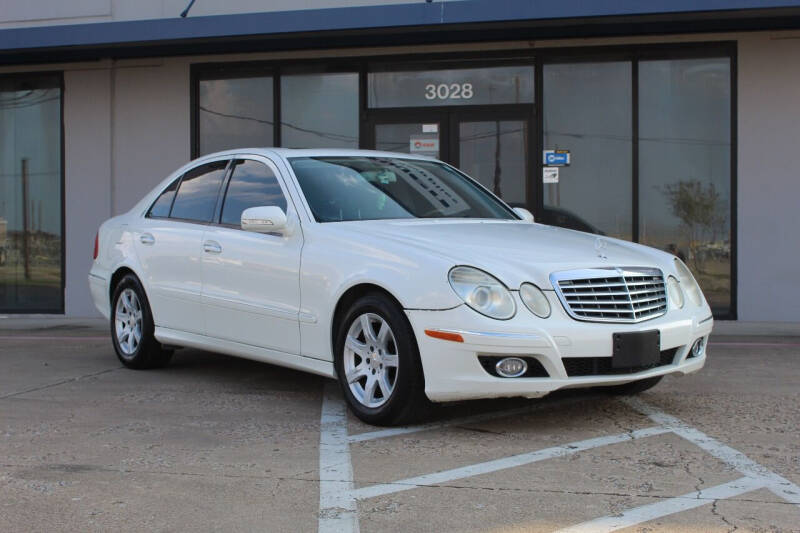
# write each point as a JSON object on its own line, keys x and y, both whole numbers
{"x": 251, "y": 281}
{"x": 489, "y": 144}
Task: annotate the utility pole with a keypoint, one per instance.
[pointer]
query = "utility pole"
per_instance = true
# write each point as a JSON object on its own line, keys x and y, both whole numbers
{"x": 25, "y": 247}
{"x": 497, "y": 166}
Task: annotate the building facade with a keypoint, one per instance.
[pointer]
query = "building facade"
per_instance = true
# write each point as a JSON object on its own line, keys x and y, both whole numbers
{"x": 674, "y": 124}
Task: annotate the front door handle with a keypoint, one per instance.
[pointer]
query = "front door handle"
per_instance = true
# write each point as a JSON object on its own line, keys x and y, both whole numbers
{"x": 212, "y": 247}
{"x": 146, "y": 238}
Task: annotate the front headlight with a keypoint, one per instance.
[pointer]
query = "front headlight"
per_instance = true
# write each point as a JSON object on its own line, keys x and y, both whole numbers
{"x": 675, "y": 293}
{"x": 688, "y": 283}
{"x": 535, "y": 300}
{"x": 482, "y": 292}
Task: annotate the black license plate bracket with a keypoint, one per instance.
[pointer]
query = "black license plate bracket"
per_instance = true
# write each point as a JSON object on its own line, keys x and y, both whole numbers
{"x": 636, "y": 349}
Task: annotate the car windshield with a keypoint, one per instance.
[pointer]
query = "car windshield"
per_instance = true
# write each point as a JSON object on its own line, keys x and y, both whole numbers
{"x": 341, "y": 188}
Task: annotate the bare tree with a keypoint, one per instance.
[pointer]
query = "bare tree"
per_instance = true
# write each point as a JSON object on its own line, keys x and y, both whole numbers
{"x": 697, "y": 206}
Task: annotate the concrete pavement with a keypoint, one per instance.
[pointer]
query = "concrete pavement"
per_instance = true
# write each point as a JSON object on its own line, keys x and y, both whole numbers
{"x": 215, "y": 443}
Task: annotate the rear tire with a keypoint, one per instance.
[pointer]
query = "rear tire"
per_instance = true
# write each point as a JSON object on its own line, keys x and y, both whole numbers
{"x": 375, "y": 346}
{"x": 132, "y": 328}
{"x": 634, "y": 387}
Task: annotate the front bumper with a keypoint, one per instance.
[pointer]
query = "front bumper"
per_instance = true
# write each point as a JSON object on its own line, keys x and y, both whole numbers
{"x": 453, "y": 370}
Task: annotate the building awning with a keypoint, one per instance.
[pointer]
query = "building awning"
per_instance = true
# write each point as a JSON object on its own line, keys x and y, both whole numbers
{"x": 396, "y": 24}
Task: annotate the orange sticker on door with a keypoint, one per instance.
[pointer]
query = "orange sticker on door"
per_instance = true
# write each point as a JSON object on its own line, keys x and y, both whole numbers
{"x": 424, "y": 144}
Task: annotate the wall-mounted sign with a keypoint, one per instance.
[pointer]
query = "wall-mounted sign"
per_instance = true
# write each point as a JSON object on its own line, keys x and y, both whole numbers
{"x": 424, "y": 144}
{"x": 511, "y": 84}
{"x": 559, "y": 158}
{"x": 430, "y": 128}
{"x": 550, "y": 175}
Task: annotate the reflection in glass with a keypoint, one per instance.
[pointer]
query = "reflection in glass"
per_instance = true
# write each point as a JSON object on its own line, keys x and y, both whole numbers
{"x": 587, "y": 110}
{"x": 198, "y": 191}
{"x": 466, "y": 86}
{"x": 319, "y": 110}
{"x": 341, "y": 188}
{"x": 684, "y": 167}
{"x": 495, "y": 153}
{"x": 30, "y": 196}
{"x": 252, "y": 184}
{"x": 235, "y": 113}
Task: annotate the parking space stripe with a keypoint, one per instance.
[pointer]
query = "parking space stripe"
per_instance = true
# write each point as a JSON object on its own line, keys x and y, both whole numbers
{"x": 502, "y": 464}
{"x": 779, "y": 485}
{"x": 652, "y": 511}
{"x": 337, "y": 508}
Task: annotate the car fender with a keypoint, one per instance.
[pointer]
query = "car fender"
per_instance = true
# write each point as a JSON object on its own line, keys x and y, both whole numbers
{"x": 330, "y": 269}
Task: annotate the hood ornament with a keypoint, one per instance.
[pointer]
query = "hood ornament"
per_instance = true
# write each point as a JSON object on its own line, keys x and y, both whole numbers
{"x": 600, "y": 245}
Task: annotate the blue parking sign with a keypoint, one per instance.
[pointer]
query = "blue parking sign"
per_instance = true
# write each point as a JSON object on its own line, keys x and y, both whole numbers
{"x": 556, "y": 158}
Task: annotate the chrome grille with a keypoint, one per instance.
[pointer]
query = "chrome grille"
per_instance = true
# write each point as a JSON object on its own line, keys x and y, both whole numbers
{"x": 612, "y": 294}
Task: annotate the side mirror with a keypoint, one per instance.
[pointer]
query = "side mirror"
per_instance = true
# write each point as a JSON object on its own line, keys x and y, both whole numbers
{"x": 264, "y": 219}
{"x": 524, "y": 214}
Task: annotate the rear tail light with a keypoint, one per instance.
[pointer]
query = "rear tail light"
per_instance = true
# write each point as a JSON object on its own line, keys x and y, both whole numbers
{"x": 96, "y": 245}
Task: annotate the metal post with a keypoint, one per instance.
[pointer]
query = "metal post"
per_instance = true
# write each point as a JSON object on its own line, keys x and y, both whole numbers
{"x": 25, "y": 230}
{"x": 497, "y": 166}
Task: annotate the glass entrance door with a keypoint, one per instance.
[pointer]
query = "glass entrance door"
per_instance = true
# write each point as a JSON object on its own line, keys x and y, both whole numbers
{"x": 495, "y": 152}
{"x": 419, "y": 138}
{"x": 491, "y": 145}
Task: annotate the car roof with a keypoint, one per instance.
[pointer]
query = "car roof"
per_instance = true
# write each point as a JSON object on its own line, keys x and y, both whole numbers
{"x": 316, "y": 152}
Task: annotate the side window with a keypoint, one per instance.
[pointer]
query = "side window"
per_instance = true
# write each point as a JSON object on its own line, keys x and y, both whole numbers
{"x": 252, "y": 184}
{"x": 197, "y": 194}
{"x": 160, "y": 207}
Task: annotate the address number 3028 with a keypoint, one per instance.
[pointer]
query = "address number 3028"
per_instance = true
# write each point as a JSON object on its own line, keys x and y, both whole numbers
{"x": 449, "y": 91}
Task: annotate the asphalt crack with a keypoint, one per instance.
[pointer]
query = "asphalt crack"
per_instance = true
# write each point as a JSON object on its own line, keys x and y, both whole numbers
{"x": 732, "y": 527}
{"x": 62, "y": 382}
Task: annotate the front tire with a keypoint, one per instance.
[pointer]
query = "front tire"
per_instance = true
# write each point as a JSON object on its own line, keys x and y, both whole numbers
{"x": 634, "y": 387}
{"x": 132, "y": 328}
{"x": 377, "y": 362}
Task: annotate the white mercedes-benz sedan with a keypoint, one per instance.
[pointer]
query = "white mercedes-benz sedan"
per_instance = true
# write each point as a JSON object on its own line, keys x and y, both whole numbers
{"x": 397, "y": 275}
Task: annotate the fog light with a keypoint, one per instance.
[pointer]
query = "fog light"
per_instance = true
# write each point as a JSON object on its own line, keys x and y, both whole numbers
{"x": 697, "y": 347}
{"x": 511, "y": 367}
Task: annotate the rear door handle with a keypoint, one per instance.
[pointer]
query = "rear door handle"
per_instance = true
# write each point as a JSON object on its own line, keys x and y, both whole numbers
{"x": 212, "y": 247}
{"x": 146, "y": 238}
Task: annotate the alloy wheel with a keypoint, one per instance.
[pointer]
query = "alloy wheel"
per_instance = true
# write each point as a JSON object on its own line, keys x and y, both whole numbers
{"x": 371, "y": 360}
{"x": 128, "y": 322}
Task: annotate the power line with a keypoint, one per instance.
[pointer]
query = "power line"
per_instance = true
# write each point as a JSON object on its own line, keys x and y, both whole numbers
{"x": 328, "y": 135}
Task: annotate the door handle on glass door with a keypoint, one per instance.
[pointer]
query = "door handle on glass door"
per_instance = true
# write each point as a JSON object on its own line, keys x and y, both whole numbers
{"x": 146, "y": 238}
{"x": 212, "y": 247}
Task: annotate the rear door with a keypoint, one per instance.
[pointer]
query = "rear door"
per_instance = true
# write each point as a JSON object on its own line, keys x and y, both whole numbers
{"x": 251, "y": 281}
{"x": 169, "y": 246}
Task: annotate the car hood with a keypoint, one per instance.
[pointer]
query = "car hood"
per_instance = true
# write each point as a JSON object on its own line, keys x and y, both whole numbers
{"x": 512, "y": 251}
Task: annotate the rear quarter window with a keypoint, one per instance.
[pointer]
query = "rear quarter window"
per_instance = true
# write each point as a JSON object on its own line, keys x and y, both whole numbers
{"x": 163, "y": 203}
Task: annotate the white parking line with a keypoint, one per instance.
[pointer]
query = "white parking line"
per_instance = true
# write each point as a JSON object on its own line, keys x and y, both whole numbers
{"x": 502, "y": 464}
{"x": 652, "y": 511}
{"x": 337, "y": 508}
{"x": 779, "y": 485}
{"x": 338, "y": 497}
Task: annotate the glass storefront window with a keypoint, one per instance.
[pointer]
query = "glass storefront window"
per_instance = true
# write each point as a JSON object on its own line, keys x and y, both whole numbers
{"x": 319, "y": 110}
{"x": 495, "y": 153}
{"x": 587, "y": 111}
{"x": 235, "y": 113}
{"x": 685, "y": 167}
{"x": 466, "y": 86}
{"x": 31, "y": 246}
{"x": 483, "y": 118}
